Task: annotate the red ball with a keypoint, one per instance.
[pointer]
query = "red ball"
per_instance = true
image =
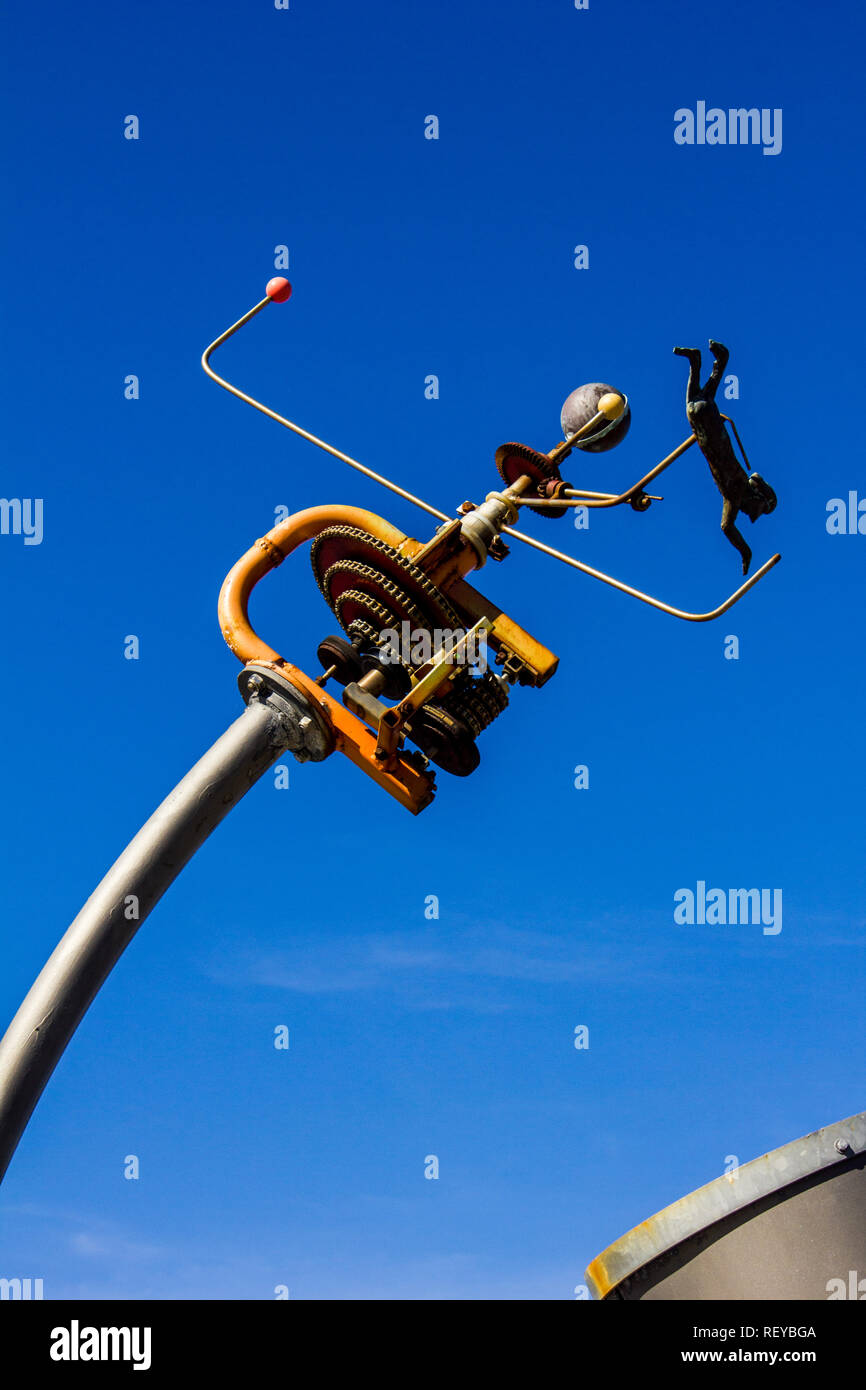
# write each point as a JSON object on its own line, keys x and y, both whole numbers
{"x": 278, "y": 289}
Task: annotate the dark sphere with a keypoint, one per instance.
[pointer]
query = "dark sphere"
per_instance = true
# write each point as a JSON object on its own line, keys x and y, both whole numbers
{"x": 579, "y": 409}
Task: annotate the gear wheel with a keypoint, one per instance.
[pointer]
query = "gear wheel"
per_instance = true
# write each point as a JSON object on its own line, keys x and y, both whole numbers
{"x": 514, "y": 459}
{"x": 372, "y": 598}
{"x": 369, "y": 585}
{"x": 552, "y": 491}
{"x": 477, "y": 701}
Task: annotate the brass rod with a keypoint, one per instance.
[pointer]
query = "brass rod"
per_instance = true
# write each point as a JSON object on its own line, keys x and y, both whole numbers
{"x": 568, "y": 444}
{"x": 739, "y": 440}
{"x": 573, "y": 499}
{"x": 304, "y": 434}
{"x": 637, "y": 593}
{"x": 639, "y": 486}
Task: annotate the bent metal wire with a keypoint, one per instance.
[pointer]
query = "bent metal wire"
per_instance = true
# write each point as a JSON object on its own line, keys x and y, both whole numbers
{"x": 276, "y": 294}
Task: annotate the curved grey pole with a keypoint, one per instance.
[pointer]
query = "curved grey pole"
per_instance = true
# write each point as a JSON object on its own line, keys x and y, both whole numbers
{"x": 63, "y": 991}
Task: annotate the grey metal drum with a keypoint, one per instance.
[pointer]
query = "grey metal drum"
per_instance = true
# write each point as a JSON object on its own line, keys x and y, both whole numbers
{"x": 788, "y": 1226}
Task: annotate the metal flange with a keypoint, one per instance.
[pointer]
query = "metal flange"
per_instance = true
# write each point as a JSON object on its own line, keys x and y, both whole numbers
{"x": 309, "y": 736}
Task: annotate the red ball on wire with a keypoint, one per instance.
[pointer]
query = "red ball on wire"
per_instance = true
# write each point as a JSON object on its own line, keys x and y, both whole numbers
{"x": 278, "y": 289}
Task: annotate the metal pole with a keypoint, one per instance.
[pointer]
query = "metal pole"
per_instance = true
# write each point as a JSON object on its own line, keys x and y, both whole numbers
{"x": 63, "y": 991}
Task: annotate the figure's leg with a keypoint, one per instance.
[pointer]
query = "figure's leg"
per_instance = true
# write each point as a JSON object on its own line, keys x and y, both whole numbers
{"x": 720, "y": 356}
{"x": 729, "y": 516}
{"x": 693, "y": 390}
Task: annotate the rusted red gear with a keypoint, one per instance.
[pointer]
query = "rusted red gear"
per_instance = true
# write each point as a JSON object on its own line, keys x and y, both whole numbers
{"x": 512, "y": 460}
{"x": 363, "y": 579}
{"x": 371, "y": 587}
{"x": 552, "y": 490}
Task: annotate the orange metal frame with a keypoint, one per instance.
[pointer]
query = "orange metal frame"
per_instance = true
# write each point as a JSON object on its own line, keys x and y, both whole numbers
{"x": 412, "y": 788}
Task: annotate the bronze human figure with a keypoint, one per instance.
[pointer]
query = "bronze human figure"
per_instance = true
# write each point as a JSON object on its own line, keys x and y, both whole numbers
{"x": 742, "y": 492}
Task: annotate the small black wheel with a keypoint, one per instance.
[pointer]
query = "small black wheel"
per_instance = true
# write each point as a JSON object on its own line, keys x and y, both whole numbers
{"x": 446, "y": 740}
{"x": 336, "y": 651}
{"x": 353, "y": 661}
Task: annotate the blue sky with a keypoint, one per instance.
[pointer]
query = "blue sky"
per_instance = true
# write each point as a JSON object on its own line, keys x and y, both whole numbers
{"x": 412, "y": 1037}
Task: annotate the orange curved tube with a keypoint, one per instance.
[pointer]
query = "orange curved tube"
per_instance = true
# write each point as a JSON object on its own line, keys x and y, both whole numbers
{"x": 413, "y": 788}
{"x": 270, "y": 551}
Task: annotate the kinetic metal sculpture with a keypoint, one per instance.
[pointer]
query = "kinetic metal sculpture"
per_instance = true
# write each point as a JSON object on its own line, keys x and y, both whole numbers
{"x": 377, "y": 582}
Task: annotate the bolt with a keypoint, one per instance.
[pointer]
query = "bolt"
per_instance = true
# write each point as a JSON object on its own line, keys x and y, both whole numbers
{"x": 841, "y": 1146}
{"x": 304, "y": 724}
